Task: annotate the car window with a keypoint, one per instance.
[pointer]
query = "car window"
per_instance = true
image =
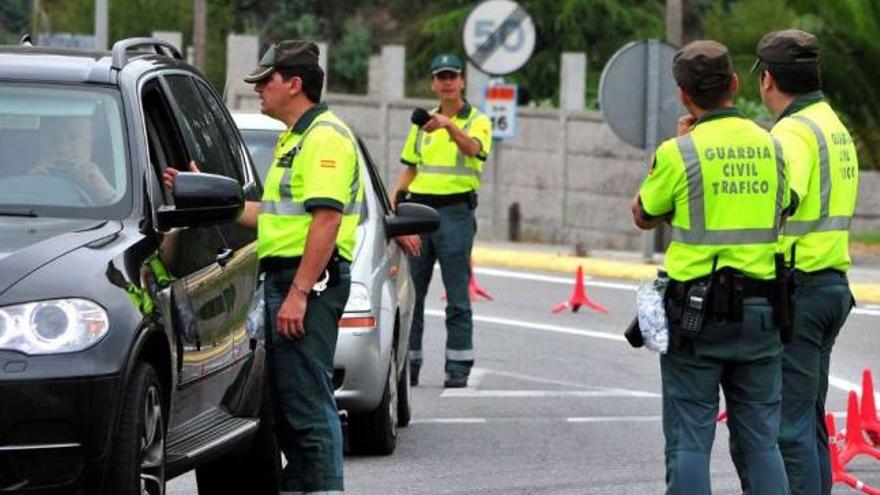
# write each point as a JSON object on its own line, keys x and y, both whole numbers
{"x": 261, "y": 145}
{"x": 63, "y": 151}
{"x": 183, "y": 251}
{"x": 375, "y": 180}
{"x": 201, "y": 130}
{"x": 226, "y": 128}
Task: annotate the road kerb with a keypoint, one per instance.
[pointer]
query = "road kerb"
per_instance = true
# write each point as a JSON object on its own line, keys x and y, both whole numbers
{"x": 605, "y": 268}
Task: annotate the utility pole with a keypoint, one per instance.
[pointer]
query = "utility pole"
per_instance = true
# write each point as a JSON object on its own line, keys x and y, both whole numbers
{"x": 200, "y": 35}
{"x": 101, "y": 24}
{"x": 675, "y": 22}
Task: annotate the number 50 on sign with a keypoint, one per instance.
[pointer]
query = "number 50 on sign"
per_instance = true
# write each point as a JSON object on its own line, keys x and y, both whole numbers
{"x": 500, "y": 106}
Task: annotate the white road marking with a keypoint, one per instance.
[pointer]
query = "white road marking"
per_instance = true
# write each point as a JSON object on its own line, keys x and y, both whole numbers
{"x": 521, "y": 394}
{"x": 494, "y": 272}
{"x": 614, "y": 419}
{"x": 536, "y": 326}
{"x": 835, "y": 382}
{"x": 867, "y": 310}
{"x": 449, "y": 421}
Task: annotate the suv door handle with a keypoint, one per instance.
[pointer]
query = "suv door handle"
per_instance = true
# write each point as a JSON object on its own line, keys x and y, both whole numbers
{"x": 224, "y": 255}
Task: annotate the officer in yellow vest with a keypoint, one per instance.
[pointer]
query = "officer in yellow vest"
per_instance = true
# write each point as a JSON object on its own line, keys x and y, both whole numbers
{"x": 444, "y": 162}
{"x": 824, "y": 174}
{"x": 722, "y": 185}
{"x": 306, "y": 225}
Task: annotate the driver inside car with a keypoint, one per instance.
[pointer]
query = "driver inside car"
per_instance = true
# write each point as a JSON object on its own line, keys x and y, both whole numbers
{"x": 66, "y": 153}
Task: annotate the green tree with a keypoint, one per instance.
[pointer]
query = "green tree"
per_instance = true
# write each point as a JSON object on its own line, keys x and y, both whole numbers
{"x": 847, "y": 32}
{"x": 14, "y": 19}
{"x": 597, "y": 27}
{"x": 351, "y": 55}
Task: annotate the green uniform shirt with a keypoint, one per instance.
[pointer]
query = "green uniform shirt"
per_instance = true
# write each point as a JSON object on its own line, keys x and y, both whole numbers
{"x": 825, "y": 175}
{"x": 442, "y": 167}
{"x": 316, "y": 164}
{"x": 725, "y": 185}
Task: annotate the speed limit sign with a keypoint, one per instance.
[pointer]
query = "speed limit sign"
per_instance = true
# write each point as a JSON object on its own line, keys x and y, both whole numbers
{"x": 500, "y": 105}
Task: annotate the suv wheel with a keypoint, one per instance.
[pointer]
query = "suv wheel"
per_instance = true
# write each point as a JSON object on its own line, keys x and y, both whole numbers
{"x": 404, "y": 396}
{"x": 376, "y": 431}
{"x": 138, "y": 458}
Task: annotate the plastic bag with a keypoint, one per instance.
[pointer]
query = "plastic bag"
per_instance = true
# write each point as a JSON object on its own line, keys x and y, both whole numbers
{"x": 652, "y": 315}
{"x": 256, "y": 315}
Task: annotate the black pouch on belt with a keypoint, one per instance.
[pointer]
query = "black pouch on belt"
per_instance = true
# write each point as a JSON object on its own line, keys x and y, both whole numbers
{"x": 697, "y": 304}
{"x": 728, "y": 289}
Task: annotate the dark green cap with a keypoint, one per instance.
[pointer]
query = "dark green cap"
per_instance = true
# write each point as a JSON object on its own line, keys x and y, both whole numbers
{"x": 446, "y": 62}
{"x": 702, "y": 65}
{"x": 288, "y": 53}
{"x": 791, "y": 46}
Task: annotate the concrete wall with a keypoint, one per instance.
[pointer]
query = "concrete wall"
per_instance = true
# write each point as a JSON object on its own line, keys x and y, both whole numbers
{"x": 572, "y": 178}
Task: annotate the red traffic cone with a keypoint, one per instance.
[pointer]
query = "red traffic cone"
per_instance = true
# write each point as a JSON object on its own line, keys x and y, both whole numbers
{"x": 722, "y": 416}
{"x": 474, "y": 290}
{"x": 838, "y": 475}
{"x": 579, "y": 297}
{"x": 868, "y": 409}
{"x": 855, "y": 443}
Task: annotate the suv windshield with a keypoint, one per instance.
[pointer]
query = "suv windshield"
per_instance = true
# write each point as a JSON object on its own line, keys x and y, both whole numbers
{"x": 62, "y": 152}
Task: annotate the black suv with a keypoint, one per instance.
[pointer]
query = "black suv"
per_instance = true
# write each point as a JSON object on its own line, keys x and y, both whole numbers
{"x": 125, "y": 351}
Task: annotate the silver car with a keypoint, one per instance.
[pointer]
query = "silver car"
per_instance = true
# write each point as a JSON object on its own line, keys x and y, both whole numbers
{"x": 371, "y": 369}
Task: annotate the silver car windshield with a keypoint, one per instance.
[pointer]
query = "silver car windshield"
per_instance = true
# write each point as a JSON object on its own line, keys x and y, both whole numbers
{"x": 62, "y": 151}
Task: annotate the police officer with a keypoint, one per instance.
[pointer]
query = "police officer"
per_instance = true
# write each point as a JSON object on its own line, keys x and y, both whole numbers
{"x": 444, "y": 162}
{"x": 824, "y": 174}
{"x": 722, "y": 186}
{"x": 306, "y": 225}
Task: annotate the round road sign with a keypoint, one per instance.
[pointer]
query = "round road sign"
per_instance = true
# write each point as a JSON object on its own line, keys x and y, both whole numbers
{"x": 499, "y": 37}
{"x": 637, "y": 93}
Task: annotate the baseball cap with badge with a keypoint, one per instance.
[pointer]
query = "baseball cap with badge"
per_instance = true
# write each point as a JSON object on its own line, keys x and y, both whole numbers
{"x": 289, "y": 53}
{"x": 446, "y": 62}
{"x": 702, "y": 65}
{"x": 788, "y": 47}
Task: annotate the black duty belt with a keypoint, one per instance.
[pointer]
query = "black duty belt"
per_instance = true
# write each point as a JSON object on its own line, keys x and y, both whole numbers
{"x": 277, "y": 263}
{"x": 441, "y": 200}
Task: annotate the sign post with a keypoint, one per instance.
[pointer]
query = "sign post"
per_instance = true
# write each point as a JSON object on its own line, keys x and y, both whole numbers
{"x": 638, "y": 98}
{"x": 498, "y": 38}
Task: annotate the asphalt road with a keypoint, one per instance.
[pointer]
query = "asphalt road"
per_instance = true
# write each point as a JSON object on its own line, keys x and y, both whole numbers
{"x": 557, "y": 404}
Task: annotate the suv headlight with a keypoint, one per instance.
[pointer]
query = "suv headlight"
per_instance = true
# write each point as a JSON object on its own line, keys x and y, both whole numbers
{"x": 52, "y": 327}
{"x": 358, "y": 299}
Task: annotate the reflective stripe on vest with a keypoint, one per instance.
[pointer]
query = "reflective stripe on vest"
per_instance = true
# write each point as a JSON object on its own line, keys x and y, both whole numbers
{"x": 698, "y": 234}
{"x": 460, "y": 169}
{"x": 825, "y": 222}
{"x": 286, "y": 205}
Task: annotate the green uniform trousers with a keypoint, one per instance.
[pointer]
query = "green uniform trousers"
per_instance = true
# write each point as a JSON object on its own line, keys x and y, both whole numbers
{"x": 744, "y": 358}
{"x": 451, "y": 245}
{"x": 822, "y": 304}
{"x": 307, "y": 420}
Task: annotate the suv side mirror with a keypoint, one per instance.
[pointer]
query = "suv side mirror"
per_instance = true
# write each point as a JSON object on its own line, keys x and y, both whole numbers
{"x": 411, "y": 218}
{"x": 202, "y": 199}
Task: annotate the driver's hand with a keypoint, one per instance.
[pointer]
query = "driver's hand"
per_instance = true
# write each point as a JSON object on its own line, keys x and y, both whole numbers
{"x": 169, "y": 174}
{"x": 410, "y": 244}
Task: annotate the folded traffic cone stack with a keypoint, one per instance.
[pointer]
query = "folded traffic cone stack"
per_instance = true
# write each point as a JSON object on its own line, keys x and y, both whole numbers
{"x": 578, "y": 297}
{"x": 838, "y": 475}
{"x": 862, "y": 425}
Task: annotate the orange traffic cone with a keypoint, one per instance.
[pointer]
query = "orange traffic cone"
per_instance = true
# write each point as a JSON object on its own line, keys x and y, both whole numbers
{"x": 868, "y": 409}
{"x": 855, "y": 443}
{"x": 579, "y": 297}
{"x": 838, "y": 474}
